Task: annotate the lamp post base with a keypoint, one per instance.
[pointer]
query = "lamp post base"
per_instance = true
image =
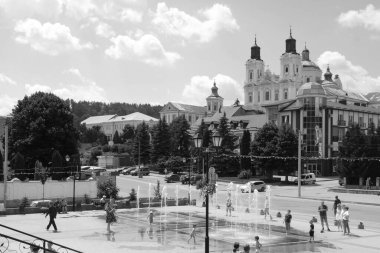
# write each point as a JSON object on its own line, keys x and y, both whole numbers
{"x": 207, "y": 245}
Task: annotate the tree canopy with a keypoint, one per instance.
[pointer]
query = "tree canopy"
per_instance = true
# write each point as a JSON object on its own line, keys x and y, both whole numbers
{"x": 160, "y": 141}
{"x": 229, "y": 140}
{"x": 141, "y": 147}
{"x": 39, "y": 123}
{"x": 180, "y": 137}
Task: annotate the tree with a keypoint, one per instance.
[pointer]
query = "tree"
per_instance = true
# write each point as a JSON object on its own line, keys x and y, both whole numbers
{"x": 160, "y": 141}
{"x": 39, "y": 123}
{"x": 18, "y": 165}
{"x": 116, "y": 138}
{"x": 287, "y": 146}
{"x": 92, "y": 135}
{"x": 180, "y": 137}
{"x": 265, "y": 144}
{"x": 128, "y": 133}
{"x": 245, "y": 149}
{"x": 57, "y": 169}
{"x": 142, "y": 144}
{"x": 206, "y": 134}
{"x": 229, "y": 140}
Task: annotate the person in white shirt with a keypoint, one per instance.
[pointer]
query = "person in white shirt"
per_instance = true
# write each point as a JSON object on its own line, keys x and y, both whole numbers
{"x": 345, "y": 219}
{"x": 338, "y": 217}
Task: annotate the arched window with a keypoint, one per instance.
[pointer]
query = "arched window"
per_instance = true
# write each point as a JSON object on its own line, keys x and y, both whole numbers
{"x": 250, "y": 97}
{"x": 267, "y": 95}
{"x": 209, "y": 106}
{"x": 286, "y": 69}
{"x": 258, "y": 96}
{"x": 276, "y": 92}
{"x": 250, "y": 75}
{"x": 286, "y": 93}
{"x": 308, "y": 79}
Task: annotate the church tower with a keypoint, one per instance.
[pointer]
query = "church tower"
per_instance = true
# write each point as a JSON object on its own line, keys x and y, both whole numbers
{"x": 291, "y": 64}
{"x": 214, "y": 101}
{"x": 254, "y": 66}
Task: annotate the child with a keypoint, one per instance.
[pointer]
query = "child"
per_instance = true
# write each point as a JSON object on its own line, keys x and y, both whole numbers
{"x": 150, "y": 217}
{"x": 311, "y": 232}
{"x": 192, "y": 234}
{"x": 287, "y": 220}
{"x": 258, "y": 244}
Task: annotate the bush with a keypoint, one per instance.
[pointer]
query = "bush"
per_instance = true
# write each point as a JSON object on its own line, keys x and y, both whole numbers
{"x": 115, "y": 149}
{"x": 245, "y": 174}
{"x": 106, "y": 148}
{"x": 132, "y": 195}
{"x": 108, "y": 188}
{"x": 24, "y": 203}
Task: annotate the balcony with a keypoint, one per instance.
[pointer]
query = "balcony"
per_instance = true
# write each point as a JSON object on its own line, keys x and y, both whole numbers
{"x": 341, "y": 123}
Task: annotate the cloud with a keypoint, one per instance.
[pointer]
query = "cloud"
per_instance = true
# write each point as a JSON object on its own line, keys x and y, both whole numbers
{"x": 48, "y": 38}
{"x": 6, "y": 80}
{"x": 131, "y": 15}
{"x": 20, "y": 9}
{"x": 176, "y": 22}
{"x": 354, "y": 77}
{"x": 369, "y": 18}
{"x": 7, "y": 103}
{"x": 104, "y": 30}
{"x": 76, "y": 86}
{"x": 200, "y": 87}
{"x": 146, "y": 48}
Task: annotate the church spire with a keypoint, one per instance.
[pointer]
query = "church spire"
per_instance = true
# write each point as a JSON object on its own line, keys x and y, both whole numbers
{"x": 305, "y": 54}
{"x": 290, "y": 44}
{"x": 255, "y": 51}
{"x": 328, "y": 74}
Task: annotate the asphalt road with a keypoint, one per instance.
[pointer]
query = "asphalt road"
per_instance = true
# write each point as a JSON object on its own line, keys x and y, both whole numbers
{"x": 302, "y": 209}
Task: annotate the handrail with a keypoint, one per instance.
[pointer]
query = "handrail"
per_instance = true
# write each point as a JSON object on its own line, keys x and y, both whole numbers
{"x": 39, "y": 238}
{"x": 28, "y": 243}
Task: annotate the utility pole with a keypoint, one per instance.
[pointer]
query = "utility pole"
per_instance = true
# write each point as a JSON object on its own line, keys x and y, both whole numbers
{"x": 5, "y": 165}
{"x": 299, "y": 163}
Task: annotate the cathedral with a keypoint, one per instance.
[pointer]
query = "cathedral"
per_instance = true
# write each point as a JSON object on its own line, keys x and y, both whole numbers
{"x": 310, "y": 102}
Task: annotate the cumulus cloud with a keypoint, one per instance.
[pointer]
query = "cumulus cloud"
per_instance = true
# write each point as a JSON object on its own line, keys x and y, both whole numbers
{"x": 7, "y": 103}
{"x": 354, "y": 77}
{"x": 146, "y": 48}
{"x": 369, "y": 18}
{"x": 200, "y": 87}
{"x": 131, "y": 15}
{"x": 77, "y": 87}
{"x": 104, "y": 30}
{"x": 48, "y": 38}
{"x": 6, "y": 80}
{"x": 20, "y": 9}
{"x": 176, "y": 22}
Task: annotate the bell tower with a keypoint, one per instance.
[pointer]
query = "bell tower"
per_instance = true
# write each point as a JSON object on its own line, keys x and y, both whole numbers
{"x": 254, "y": 66}
{"x": 214, "y": 101}
{"x": 291, "y": 64}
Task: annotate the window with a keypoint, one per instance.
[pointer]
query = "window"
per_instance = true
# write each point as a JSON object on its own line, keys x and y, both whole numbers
{"x": 297, "y": 69}
{"x": 267, "y": 95}
{"x": 250, "y": 75}
{"x": 285, "y": 93}
{"x": 250, "y": 97}
{"x": 209, "y": 106}
{"x": 308, "y": 79}
{"x": 215, "y": 106}
{"x": 258, "y": 96}
{"x": 285, "y": 119}
{"x": 196, "y": 117}
{"x": 276, "y": 95}
{"x": 286, "y": 69}
{"x": 351, "y": 119}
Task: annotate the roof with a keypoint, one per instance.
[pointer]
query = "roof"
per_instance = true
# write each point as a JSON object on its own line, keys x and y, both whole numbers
{"x": 98, "y": 119}
{"x": 189, "y": 108}
{"x": 311, "y": 89}
{"x": 309, "y": 64}
{"x": 229, "y": 110}
{"x": 333, "y": 91}
{"x": 352, "y": 107}
{"x": 136, "y": 116}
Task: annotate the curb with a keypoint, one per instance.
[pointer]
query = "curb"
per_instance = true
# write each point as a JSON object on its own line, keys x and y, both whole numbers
{"x": 330, "y": 200}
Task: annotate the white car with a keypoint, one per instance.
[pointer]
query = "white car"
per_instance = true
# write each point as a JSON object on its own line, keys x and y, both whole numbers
{"x": 252, "y": 185}
{"x": 307, "y": 178}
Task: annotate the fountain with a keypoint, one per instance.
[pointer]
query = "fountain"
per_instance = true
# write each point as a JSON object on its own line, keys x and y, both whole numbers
{"x": 138, "y": 200}
{"x": 149, "y": 189}
{"x": 176, "y": 195}
{"x": 255, "y": 193}
{"x": 164, "y": 196}
{"x": 216, "y": 211}
{"x": 268, "y": 195}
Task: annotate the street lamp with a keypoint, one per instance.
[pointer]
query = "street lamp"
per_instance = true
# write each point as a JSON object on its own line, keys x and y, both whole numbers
{"x": 67, "y": 157}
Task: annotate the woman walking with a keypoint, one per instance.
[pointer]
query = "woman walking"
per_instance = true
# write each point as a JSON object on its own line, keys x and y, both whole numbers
{"x": 110, "y": 213}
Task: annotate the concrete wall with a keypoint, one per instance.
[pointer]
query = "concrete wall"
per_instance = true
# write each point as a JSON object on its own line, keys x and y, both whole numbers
{"x": 53, "y": 189}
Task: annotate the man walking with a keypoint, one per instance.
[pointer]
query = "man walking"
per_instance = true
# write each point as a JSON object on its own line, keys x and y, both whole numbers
{"x": 52, "y": 212}
{"x": 336, "y": 203}
{"x": 322, "y": 209}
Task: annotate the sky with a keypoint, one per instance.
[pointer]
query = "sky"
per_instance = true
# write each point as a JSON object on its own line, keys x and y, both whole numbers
{"x": 145, "y": 51}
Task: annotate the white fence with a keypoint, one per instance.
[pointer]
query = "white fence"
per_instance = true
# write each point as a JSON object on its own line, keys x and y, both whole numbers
{"x": 53, "y": 189}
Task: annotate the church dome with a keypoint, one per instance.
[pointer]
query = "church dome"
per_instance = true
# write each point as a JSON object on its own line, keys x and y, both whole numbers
{"x": 311, "y": 89}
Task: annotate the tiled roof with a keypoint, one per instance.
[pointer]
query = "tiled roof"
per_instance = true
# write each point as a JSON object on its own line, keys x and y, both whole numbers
{"x": 229, "y": 110}
{"x": 189, "y": 108}
{"x": 98, "y": 119}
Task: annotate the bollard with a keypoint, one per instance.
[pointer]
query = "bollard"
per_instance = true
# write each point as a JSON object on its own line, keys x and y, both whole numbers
{"x": 278, "y": 215}
{"x": 361, "y": 225}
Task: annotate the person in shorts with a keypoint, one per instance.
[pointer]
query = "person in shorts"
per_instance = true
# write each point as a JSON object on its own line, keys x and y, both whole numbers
{"x": 322, "y": 209}
{"x": 287, "y": 221}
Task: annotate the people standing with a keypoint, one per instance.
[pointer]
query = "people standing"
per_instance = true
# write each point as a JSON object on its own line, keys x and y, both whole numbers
{"x": 258, "y": 245}
{"x": 150, "y": 217}
{"x": 247, "y": 248}
{"x": 228, "y": 206}
{"x": 266, "y": 210}
{"x": 338, "y": 217}
{"x": 346, "y": 219}
{"x": 322, "y": 209}
{"x": 236, "y": 248}
{"x": 287, "y": 220}
{"x": 336, "y": 203}
{"x": 192, "y": 233}
{"x": 52, "y": 212}
{"x": 110, "y": 214}
{"x": 311, "y": 231}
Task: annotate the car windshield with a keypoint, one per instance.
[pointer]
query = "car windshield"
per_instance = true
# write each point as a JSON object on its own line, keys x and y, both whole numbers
{"x": 303, "y": 176}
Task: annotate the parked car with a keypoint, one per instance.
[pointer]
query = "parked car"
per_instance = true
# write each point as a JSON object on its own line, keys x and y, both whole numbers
{"x": 144, "y": 171}
{"x": 307, "y": 178}
{"x": 41, "y": 203}
{"x": 127, "y": 170}
{"x": 253, "y": 185}
{"x": 173, "y": 178}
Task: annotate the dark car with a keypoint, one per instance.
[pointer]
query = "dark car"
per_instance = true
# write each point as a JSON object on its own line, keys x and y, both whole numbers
{"x": 144, "y": 171}
{"x": 127, "y": 170}
{"x": 173, "y": 178}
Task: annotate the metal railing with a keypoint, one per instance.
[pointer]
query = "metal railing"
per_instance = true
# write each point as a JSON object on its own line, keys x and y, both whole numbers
{"x": 37, "y": 244}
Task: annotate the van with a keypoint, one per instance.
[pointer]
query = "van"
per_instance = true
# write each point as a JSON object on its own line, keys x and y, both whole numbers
{"x": 307, "y": 178}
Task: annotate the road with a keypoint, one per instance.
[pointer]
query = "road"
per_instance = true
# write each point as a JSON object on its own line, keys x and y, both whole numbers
{"x": 282, "y": 199}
